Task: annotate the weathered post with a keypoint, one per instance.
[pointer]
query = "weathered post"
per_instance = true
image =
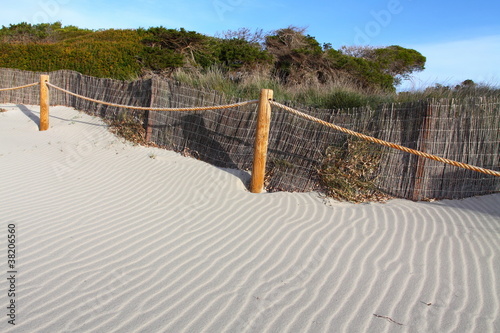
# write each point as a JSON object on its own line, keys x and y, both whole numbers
{"x": 261, "y": 141}
{"x": 44, "y": 103}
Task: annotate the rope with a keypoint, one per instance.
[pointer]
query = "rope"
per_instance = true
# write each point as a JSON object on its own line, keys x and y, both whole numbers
{"x": 202, "y": 108}
{"x": 387, "y": 144}
{"x": 20, "y": 87}
{"x": 291, "y": 110}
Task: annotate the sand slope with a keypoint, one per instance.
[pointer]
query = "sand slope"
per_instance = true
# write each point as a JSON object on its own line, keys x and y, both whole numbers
{"x": 120, "y": 238}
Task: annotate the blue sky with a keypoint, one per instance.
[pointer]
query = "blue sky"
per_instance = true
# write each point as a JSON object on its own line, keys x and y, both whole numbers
{"x": 461, "y": 39}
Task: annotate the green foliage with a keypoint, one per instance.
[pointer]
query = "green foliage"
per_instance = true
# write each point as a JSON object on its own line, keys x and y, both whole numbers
{"x": 297, "y": 57}
{"x": 237, "y": 53}
{"x": 158, "y": 59}
{"x": 467, "y": 89}
{"x": 292, "y": 39}
{"x": 368, "y": 73}
{"x": 187, "y": 44}
{"x": 398, "y": 62}
{"x": 286, "y": 56}
{"x": 310, "y": 47}
{"x": 200, "y": 50}
{"x": 108, "y": 54}
{"x": 181, "y": 41}
{"x": 344, "y": 99}
{"x": 23, "y": 33}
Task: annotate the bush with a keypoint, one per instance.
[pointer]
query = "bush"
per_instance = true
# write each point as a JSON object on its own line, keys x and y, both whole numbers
{"x": 111, "y": 54}
{"x": 237, "y": 53}
{"x": 348, "y": 172}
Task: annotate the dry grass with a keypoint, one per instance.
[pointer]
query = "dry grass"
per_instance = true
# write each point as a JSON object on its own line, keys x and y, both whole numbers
{"x": 340, "y": 92}
{"x": 129, "y": 130}
{"x": 336, "y": 94}
{"x": 348, "y": 172}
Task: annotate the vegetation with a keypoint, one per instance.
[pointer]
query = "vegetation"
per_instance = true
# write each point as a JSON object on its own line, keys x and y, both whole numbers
{"x": 466, "y": 89}
{"x": 49, "y": 47}
{"x": 348, "y": 172}
{"x": 240, "y": 63}
{"x": 287, "y": 59}
{"x": 25, "y": 33}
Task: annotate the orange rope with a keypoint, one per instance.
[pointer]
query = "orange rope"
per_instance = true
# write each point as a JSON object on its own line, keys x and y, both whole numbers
{"x": 387, "y": 144}
{"x": 20, "y": 87}
{"x": 203, "y": 108}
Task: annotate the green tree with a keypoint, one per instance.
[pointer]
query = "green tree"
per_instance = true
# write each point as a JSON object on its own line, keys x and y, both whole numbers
{"x": 365, "y": 72}
{"x": 297, "y": 57}
{"x": 397, "y": 61}
{"x": 237, "y": 53}
{"x": 24, "y": 33}
{"x": 186, "y": 43}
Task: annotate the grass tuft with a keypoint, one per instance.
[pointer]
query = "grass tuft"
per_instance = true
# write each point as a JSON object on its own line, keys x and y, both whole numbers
{"x": 349, "y": 172}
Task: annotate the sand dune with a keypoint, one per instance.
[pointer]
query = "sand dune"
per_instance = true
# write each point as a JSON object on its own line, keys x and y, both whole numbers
{"x": 113, "y": 237}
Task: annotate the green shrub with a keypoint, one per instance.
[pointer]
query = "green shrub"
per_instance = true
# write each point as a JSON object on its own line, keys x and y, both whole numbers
{"x": 237, "y": 53}
{"x": 111, "y": 54}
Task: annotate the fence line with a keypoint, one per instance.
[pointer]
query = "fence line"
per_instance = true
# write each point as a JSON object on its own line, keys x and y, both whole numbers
{"x": 298, "y": 147}
{"x": 387, "y": 144}
{"x": 258, "y": 185}
{"x": 259, "y": 164}
{"x": 142, "y": 108}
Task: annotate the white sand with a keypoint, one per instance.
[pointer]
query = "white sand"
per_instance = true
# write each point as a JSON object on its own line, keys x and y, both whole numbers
{"x": 119, "y": 238}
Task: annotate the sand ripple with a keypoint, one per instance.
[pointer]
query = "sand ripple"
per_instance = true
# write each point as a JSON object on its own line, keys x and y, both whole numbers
{"x": 117, "y": 238}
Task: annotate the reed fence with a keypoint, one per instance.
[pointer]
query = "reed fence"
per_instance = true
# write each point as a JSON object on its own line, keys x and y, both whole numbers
{"x": 467, "y": 131}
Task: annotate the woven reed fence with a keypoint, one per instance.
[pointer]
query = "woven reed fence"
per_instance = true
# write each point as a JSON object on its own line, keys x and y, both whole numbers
{"x": 136, "y": 93}
{"x": 466, "y": 131}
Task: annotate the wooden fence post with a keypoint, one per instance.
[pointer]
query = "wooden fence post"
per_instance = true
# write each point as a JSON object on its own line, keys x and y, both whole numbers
{"x": 261, "y": 141}
{"x": 44, "y": 103}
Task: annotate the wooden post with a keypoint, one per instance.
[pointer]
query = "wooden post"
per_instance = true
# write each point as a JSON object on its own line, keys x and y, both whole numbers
{"x": 261, "y": 141}
{"x": 44, "y": 103}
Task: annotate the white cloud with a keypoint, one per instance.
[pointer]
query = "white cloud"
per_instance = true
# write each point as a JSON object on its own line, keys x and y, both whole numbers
{"x": 453, "y": 62}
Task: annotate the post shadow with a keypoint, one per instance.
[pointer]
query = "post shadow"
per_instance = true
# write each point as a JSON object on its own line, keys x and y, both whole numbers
{"x": 35, "y": 118}
{"x": 198, "y": 138}
{"x": 29, "y": 113}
